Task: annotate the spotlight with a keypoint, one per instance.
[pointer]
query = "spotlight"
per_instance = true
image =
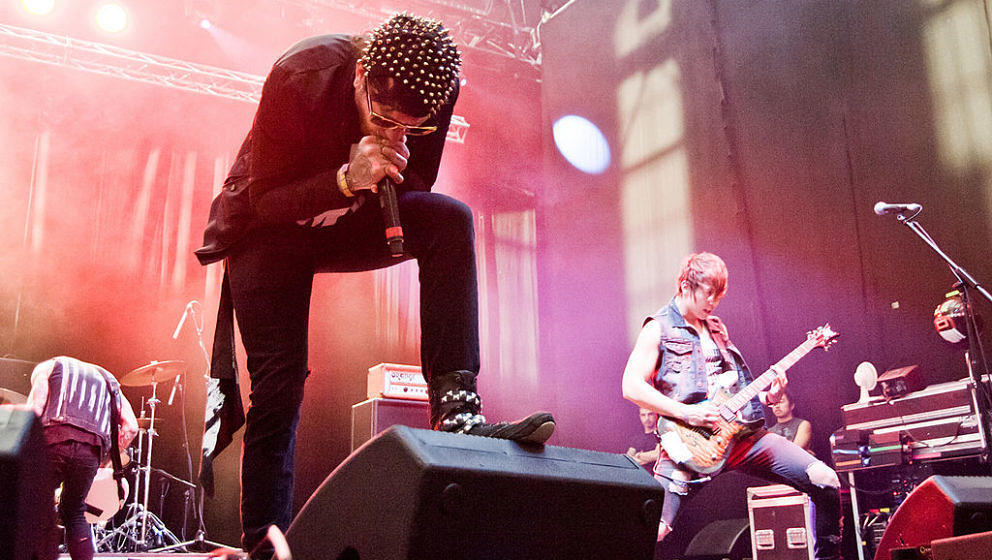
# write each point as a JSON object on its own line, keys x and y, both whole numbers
{"x": 582, "y": 144}
{"x": 205, "y": 24}
{"x": 111, "y": 17}
{"x": 38, "y": 7}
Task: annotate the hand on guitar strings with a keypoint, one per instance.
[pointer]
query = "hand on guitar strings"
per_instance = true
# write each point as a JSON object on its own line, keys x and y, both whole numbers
{"x": 702, "y": 414}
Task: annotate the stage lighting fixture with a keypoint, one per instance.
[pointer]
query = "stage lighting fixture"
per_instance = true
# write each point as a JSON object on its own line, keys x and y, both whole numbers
{"x": 582, "y": 144}
{"x": 111, "y": 17}
{"x": 205, "y": 24}
{"x": 38, "y": 7}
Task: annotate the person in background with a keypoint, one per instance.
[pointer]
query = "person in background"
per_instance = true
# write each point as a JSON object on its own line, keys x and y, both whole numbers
{"x": 82, "y": 412}
{"x": 644, "y": 448}
{"x": 787, "y": 425}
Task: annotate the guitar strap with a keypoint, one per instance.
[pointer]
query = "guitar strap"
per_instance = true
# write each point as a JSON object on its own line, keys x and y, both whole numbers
{"x": 115, "y": 420}
{"x": 719, "y": 334}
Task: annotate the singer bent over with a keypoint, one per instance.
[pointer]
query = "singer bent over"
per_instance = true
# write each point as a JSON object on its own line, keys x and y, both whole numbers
{"x": 337, "y": 116}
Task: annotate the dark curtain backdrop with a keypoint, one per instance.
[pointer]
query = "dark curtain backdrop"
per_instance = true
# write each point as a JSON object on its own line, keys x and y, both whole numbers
{"x": 763, "y": 132}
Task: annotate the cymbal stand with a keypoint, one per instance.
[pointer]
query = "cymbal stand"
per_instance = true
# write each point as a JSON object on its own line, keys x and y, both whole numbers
{"x": 152, "y": 402}
{"x": 128, "y": 533}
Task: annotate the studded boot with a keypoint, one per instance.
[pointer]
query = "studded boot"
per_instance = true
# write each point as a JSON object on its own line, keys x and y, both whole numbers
{"x": 456, "y": 407}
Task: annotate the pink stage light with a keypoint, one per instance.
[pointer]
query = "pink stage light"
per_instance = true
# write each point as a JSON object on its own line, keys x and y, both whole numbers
{"x": 38, "y": 7}
{"x": 205, "y": 24}
{"x": 111, "y": 17}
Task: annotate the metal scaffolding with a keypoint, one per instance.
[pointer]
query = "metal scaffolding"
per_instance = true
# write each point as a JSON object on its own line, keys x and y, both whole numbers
{"x": 493, "y": 27}
{"x": 99, "y": 58}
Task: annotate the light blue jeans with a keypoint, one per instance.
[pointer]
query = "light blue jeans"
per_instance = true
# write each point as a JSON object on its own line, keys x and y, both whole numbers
{"x": 776, "y": 459}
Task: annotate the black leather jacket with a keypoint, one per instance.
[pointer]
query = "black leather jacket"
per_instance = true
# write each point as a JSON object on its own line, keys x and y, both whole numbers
{"x": 306, "y": 123}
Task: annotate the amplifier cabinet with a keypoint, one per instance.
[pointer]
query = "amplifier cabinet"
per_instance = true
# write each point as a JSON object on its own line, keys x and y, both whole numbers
{"x": 372, "y": 416}
{"x": 396, "y": 381}
{"x": 781, "y": 523}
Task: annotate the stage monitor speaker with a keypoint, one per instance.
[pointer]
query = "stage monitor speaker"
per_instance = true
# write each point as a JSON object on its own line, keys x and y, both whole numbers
{"x": 721, "y": 539}
{"x": 23, "y": 468}
{"x": 422, "y": 494}
{"x": 965, "y": 547}
{"x": 939, "y": 508}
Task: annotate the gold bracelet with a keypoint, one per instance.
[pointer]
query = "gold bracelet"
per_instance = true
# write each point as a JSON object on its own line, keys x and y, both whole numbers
{"x": 343, "y": 182}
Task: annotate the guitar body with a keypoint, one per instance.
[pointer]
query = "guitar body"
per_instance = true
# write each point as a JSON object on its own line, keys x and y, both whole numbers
{"x": 102, "y": 502}
{"x": 703, "y": 450}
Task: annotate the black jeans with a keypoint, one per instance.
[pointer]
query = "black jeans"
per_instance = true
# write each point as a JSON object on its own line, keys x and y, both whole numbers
{"x": 74, "y": 465}
{"x": 271, "y": 274}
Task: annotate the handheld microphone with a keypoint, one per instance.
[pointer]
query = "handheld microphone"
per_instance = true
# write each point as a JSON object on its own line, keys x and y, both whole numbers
{"x": 391, "y": 216}
{"x": 883, "y": 208}
{"x": 182, "y": 321}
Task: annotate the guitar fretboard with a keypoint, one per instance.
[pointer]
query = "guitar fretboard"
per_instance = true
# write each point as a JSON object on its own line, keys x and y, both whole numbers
{"x": 763, "y": 381}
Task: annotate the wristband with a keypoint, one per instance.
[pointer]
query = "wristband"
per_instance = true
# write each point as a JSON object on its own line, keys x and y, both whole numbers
{"x": 343, "y": 181}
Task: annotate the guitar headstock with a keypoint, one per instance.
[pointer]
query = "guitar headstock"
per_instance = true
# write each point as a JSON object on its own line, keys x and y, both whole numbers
{"x": 823, "y": 336}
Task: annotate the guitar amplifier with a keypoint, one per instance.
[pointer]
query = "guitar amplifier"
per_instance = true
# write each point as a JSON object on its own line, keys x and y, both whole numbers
{"x": 396, "y": 381}
{"x": 370, "y": 417}
{"x": 781, "y": 523}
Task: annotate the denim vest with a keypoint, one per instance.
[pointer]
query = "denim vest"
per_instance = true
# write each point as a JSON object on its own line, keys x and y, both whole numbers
{"x": 681, "y": 367}
{"x": 78, "y": 395}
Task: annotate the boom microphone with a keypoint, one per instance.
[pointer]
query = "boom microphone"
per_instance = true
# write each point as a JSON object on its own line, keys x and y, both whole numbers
{"x": 182, "y": 321}
{"x": 883, "y": 208}
{"x": 391, "y": 216}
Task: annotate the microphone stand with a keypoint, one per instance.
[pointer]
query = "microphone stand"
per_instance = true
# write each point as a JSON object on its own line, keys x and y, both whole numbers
{"x": 200, "y": 539}
{"x": 978, "y": 367}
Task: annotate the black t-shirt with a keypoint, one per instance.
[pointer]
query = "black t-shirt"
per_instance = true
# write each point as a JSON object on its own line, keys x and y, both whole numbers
{"x": 644, "y": 442}
{"x": 788, "y": 429}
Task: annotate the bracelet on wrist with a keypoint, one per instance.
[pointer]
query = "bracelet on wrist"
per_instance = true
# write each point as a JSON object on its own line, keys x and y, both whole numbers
{"x": 343, "y": 185}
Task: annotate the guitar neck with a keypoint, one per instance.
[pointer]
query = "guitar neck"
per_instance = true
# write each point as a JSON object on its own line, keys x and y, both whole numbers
{"x": 763, "y": 381}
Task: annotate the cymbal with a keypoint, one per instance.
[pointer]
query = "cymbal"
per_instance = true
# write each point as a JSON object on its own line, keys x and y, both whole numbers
{"x": 11, "y": 397}
{"x": 155, "y": 372}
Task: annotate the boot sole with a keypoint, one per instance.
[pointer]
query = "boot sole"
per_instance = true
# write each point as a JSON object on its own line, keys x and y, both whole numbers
{"x": 541, "y": 433}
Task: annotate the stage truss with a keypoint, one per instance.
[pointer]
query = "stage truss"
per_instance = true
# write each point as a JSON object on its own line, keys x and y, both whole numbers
{"x": 38, "y": 46}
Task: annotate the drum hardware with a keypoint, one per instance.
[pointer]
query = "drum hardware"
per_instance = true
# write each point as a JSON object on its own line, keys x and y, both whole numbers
{"x": 142, "y": 530}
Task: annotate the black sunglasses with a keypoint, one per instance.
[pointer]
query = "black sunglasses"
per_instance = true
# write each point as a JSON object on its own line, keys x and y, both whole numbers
{"x": 387, "y": 123}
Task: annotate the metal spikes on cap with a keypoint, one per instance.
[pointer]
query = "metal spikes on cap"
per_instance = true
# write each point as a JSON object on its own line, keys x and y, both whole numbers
{"x": 419, "y": 53}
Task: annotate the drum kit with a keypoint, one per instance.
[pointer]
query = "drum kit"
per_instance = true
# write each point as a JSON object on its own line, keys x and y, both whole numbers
{"x": 142, "y": 530}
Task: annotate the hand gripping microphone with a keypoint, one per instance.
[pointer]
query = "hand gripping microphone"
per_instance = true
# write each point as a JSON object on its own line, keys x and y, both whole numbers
{"x": 391, "y": 217}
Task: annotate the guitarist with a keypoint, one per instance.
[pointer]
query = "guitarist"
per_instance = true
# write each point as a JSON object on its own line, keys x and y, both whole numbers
{"x": 82, "y": 409}
{"x": 683, "y": 354}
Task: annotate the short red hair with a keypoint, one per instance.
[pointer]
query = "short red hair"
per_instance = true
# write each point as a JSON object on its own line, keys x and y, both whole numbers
{"x": 704, "y": 268}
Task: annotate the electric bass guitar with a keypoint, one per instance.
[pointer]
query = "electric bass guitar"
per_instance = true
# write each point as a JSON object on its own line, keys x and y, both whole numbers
{"x": 705, "y": 450}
